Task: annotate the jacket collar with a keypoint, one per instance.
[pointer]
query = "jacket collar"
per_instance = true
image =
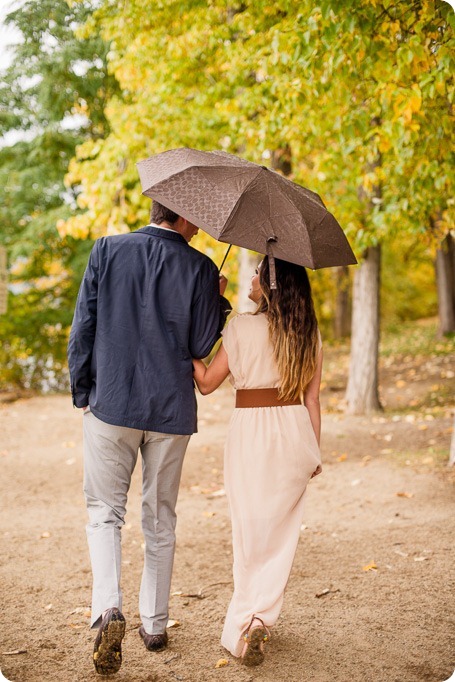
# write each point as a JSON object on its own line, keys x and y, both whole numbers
{"x": 166, "y": 234}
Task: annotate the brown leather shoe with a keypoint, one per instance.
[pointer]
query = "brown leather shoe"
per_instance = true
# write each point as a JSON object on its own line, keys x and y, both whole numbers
{"x": 107, "y": 651}
{"x": 154, "y": 642}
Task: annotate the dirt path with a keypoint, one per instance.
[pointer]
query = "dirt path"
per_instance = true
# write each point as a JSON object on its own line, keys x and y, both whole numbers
{"x": 392, "y": 623}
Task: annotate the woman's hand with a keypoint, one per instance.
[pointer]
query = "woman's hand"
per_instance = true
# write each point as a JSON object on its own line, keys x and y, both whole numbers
{"x": 317, "y": 471}
{"x": 199, "y": 370}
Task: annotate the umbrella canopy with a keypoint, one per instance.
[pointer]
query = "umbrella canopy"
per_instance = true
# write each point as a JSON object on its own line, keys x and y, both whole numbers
{"x": 242, "y": 203}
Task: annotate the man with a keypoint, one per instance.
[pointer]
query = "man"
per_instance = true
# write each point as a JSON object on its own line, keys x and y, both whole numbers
{"x": 147, "y": 305}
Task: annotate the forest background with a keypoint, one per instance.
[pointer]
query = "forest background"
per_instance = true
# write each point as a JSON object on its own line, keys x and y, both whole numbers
{"x": 354, "y": 100}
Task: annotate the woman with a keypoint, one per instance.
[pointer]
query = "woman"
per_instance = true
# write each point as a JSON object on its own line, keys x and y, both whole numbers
{"x": 272, "y": 450}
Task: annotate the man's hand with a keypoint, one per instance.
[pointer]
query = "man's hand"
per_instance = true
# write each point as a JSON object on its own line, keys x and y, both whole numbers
{"x": 223, "y": 284}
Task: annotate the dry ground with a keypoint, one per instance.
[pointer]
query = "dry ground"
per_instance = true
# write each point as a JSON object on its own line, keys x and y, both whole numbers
{"x": 385, "y": 499}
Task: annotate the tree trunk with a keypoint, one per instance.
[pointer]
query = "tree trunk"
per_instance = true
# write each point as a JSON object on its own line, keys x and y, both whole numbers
{"x": 362, "y": 391}
{"x": 445, "y": 278}
{"x": 342, "y": 317}
{"x": 248, "y": 261}
{"x": 282, "y": 160}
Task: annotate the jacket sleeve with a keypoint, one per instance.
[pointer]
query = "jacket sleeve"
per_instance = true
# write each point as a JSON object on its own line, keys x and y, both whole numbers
{"x": 208, "y": 315}
{"x": 83, "y": 329}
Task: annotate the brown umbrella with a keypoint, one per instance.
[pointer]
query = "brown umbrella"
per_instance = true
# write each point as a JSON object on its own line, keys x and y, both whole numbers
{"x": 242, "y": 203}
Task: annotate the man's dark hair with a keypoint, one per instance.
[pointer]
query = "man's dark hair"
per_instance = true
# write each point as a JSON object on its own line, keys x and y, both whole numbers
{"x": 160, "y": 213}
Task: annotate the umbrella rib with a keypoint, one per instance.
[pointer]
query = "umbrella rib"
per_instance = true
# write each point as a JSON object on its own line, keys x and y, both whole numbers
{"x": 240, "y": 172}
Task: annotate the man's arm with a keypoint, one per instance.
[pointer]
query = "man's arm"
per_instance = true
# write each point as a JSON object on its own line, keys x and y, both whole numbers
{"x": 208, "y": 314}
{"x": 82, "y": 336}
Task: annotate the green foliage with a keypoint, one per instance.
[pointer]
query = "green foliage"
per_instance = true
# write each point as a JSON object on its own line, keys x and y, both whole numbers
{"x": 362, "y": 94}
{"x": 52, "y": 98}
{"x": 408, "y": 286}
{"x": 415, "y": 339}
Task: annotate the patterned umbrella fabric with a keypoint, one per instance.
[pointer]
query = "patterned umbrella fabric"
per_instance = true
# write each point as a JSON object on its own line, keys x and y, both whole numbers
{"x": 242, "y": 203}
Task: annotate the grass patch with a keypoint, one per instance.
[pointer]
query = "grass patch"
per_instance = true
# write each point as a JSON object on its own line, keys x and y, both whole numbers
{"x": 415, "y": 338}
{"x": 428, "y": 458}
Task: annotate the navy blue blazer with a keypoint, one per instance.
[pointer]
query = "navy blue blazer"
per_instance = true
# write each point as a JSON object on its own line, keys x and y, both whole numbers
{"x": 147, "y": 304}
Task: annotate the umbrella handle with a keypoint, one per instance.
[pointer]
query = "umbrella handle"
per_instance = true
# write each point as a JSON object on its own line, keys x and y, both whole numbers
{"x": 225, "y": 256}
{"x": 272, "y": 271}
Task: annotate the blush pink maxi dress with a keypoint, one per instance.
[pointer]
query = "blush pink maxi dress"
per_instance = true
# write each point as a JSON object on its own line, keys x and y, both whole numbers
{"x": 270, "y": 455}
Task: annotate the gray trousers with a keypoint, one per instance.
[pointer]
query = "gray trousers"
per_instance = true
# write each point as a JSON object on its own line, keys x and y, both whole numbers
{"x": 110, "y": 455}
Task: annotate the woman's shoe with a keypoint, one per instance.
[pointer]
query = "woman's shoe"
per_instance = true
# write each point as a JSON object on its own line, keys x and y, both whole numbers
{"x": 255, "y": 637}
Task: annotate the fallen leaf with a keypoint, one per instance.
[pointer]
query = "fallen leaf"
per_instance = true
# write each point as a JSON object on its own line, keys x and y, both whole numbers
{"x": 217, "y": 493}
{"x": 400, "y": 553}
{"x": 49, "y": 607}
{"x": 403, "y": 494}
{"x": 173, "y": 624}
{"x": 46, "y": 534}
{"x": 356, "y": 481}
{"x": 16, "y": 652}
{"x": 342, "y": 458}
{"x": 221, "y": 663}
{"x": 370, "y": 567}
{"x": 325, "y": 592}
{"x": 421, "y": 558}
{"x": 197, "y": 595}
{"x": 69, "y": 444}
{"x": 208, "y": 514}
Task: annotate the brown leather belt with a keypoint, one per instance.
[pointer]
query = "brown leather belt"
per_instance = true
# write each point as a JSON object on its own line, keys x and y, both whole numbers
{"x": 261, "y": 397}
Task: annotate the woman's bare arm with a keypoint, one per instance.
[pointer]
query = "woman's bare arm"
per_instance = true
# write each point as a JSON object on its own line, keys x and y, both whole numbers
{"x": 311, "y": 399}
{"x": 209, "y": 378}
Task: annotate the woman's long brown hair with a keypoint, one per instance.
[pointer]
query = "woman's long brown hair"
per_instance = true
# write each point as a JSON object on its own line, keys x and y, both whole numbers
{"x": 293, "y": 326}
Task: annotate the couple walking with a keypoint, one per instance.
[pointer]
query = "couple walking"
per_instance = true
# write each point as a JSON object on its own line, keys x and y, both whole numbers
{"x": 148, "y": 309}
